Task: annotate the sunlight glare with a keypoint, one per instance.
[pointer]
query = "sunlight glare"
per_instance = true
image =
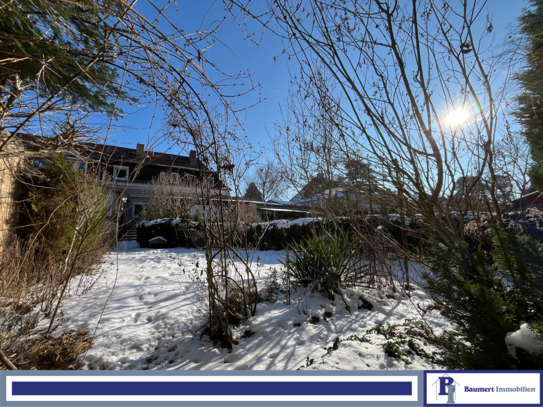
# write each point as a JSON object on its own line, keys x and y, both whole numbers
{"x": 457, "y": 117}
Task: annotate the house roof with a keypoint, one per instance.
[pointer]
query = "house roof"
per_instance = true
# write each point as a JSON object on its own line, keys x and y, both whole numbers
{"x": 129, "y": 155}
{"x": 533, "y": 198}
{"x": 110, "y": 153}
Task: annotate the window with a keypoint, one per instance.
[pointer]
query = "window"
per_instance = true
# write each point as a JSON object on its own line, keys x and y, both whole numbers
{"x": 173, "y": 176}
{"x": 110, "y": 201}
{"x": 120, "y": 173}
{"x": 78, "y": 163}
{"x": 138, "y": 210}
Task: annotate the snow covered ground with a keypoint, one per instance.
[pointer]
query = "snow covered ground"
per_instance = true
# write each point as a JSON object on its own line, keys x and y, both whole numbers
{"x": 153, "y": 320}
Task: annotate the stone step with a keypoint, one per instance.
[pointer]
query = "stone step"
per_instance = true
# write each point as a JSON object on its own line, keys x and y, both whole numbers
{"x": 130, "y": 236}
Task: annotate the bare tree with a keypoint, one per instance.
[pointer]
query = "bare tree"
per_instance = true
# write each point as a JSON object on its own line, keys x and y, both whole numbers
{"x": 70, "y": 63}
{"x": 416, "y": 85}
{"x": 269, "y": 181}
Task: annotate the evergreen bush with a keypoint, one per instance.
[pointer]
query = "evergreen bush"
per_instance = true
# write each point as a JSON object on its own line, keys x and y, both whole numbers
{"x": 488, "y": 294}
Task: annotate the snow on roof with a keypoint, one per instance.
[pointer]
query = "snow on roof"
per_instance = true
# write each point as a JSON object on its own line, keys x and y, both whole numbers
{"x": 157, "y": 238}
{"x": 279, "y": 202}
{"x": 281, "y": 210}
{"x": 285, "y": 224}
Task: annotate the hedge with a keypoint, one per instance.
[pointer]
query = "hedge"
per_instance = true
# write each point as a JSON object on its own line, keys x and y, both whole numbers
{"x": 188, "y": 234}
{"x": 268, "y": 236}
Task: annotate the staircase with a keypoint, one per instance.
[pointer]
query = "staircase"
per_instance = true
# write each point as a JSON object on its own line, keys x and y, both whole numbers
{"x": 131, "y": 236}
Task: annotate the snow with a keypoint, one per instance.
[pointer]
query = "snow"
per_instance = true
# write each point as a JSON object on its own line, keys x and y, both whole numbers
{"x": 525, "y": 339}
{"x": 157, "y": 238}
{"x": 147, "y": 223}
{"x": 173, "y": 222}
{"x": 394, "y": 217}
{"x": 146, "y": 312}
{"x": 285, "y": 224}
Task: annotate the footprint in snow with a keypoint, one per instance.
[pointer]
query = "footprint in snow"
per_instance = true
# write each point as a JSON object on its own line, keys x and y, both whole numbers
{"x": 137, "y": 317}
{"x": 242, "y": 366}
{"x": 273, "y": 355}
{"x": 231, "y": 358}
{"x": 197, "y": 360}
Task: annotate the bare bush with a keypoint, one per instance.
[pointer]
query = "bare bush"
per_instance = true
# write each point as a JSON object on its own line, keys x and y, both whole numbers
{"x": 172, "y": 197}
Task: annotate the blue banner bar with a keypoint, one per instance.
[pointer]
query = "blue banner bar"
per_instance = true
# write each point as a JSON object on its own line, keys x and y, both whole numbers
{"x": 285, "y": 388}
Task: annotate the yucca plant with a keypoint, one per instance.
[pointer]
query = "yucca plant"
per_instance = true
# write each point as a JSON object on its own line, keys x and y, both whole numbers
{"x": 327, "y": 261}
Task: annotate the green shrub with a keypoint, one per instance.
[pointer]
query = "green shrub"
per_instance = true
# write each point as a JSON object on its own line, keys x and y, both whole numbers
{"x": 327, "y": 261}
{"x": 274, "y": 238}
{"x": 56, "y": 206}
{"x": 487, "y": 294}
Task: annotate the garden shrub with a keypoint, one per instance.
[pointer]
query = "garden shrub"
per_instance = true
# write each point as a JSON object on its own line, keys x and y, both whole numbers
{"x": 327, "y": 261}
{"x": 60, "y": 231}
{"x": 184, "y": 233}
{"x": 55, "y": 205}
{"x": 488, "y": 294}
{"x": 275, "y": 238}
{"x": 265, "y": 237}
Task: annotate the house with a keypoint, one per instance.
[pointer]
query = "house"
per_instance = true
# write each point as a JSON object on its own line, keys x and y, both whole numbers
{"x": 341, "y": 194}
{"x": 269, "y": 211}
{"x": 531, "y": 200}
{"x": 132, "y": 174}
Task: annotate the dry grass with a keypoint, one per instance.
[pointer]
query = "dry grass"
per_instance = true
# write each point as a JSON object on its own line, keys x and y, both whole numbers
{"x": 239, "y": 298}
{"x": 46, "y": 352}
{"x": 31, "y": 279}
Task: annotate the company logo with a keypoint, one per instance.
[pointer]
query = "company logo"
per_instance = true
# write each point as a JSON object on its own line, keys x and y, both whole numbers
{"x": 446, "y": 386}
{"x": 490, "y": 388}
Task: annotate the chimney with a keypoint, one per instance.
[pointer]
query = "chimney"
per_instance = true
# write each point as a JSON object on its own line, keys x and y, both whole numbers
{"x": 140, "y": 150}
{"x": 192, "y": 156}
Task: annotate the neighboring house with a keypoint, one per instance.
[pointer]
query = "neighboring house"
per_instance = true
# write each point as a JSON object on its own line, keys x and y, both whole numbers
{"x": 532, "y": 200}
{"x": 271, "y": 210}
{"x": 359, "y": 195}
{"x": 131, "y": 175}
{"x": 276, "y": 210}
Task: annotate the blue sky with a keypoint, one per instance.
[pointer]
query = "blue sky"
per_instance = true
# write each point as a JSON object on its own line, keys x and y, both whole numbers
{"x": 268, "y": 68}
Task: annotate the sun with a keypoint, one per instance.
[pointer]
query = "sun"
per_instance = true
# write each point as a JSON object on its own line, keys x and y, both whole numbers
{"x": 457, "y": 117}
